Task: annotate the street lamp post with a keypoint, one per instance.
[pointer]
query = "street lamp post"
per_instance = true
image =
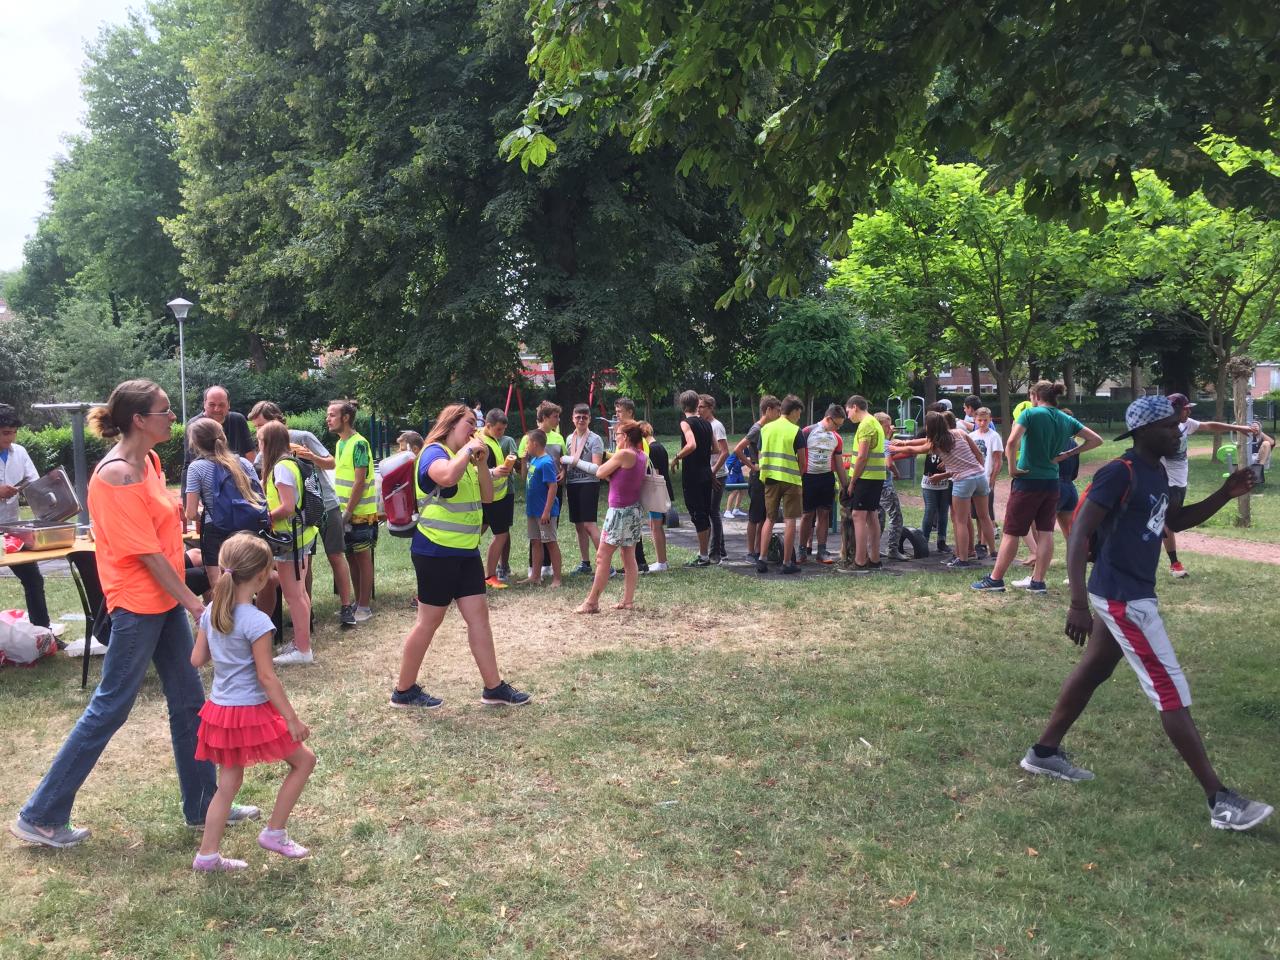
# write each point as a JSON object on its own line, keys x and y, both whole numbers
{"x": 181, "y": 308}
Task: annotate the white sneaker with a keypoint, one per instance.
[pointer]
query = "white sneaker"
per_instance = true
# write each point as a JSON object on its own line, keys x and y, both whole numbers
{"x": 1066, "y": 581}
{"x": 528, "y": 573}
{"x": 291, "y": 654}
{"x": 363, "y": 614}
{"x": 1022, "y": 584}
{"x": 728, "y": 514}
{"x": 741, "y": 514}
{"x": 546, "y": 570}
{"x": 657, "y": 567}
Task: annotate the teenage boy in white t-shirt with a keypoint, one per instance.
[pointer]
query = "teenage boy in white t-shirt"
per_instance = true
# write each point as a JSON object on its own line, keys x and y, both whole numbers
{"x": 1178, "y": 468}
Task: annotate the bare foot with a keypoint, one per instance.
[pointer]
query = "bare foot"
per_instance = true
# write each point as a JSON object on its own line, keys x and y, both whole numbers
{"x": 556, "y": 584}
{"x": 530, "y": 582}
{"x": 624, "y": 605}
{"x": 587, "y": 608}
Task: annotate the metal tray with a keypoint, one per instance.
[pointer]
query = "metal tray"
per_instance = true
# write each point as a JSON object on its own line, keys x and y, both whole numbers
{"x": 41, "y": 534}
{"x": 52, "y": 498}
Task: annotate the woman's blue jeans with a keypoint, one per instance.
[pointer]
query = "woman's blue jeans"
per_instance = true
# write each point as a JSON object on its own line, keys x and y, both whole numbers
{"x": 937, "y": 508}
{"x": 136, "y": 640}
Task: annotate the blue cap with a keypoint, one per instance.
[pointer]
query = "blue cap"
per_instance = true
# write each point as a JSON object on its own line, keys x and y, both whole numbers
{"x": 1145, "y": 411}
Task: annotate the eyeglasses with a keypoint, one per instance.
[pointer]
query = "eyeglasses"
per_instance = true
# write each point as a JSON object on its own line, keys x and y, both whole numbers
{"x": 166, "y": 412}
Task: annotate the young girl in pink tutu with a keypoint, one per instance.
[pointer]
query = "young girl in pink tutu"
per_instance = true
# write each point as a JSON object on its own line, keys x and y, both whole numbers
{"x": 247, "y": 718}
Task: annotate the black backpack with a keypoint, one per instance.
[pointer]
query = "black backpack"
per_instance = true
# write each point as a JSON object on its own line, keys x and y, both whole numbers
{"x": 309, "y": 510}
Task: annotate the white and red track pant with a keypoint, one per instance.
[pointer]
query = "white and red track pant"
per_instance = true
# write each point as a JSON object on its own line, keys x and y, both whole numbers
{"x": 1138, "y": 629}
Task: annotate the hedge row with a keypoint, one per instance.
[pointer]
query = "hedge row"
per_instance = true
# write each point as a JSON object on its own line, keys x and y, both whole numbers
{"x": 52, "y": 447}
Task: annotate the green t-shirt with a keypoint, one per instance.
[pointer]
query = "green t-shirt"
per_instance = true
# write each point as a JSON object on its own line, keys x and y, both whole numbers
{"x": 1048, "y": 432}
{"x": 508, "y": 446}
{"x": 870, "y": 430}
{"x": 555, "y": 446}
{"x": 360, "y": 455}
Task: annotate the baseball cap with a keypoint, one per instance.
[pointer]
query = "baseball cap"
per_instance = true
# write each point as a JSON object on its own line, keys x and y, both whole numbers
{"x": 1180, "y": 400}
{"x": 946, "y": 404}
{"x": 1145, "y": 411}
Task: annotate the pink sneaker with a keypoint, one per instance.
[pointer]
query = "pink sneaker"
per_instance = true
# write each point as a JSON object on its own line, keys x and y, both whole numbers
{"x": 215, "y": 863}
{"x": 277, "y": 841}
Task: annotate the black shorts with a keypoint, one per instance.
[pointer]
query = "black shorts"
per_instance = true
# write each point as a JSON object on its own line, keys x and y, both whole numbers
{"x": 211, "y": 541}
{"x": 866, "y": 494}
{"x": 697, "y": 498}
{"x": 755, "y": 489}
{"x": 444, "y": 579}
{"x": 1177, "y": 496}
{"x": 819, "y": 491}
{"x": 361, "y": 538}
{"x": 499, "y": 515}
{"x": 584, "y": 502}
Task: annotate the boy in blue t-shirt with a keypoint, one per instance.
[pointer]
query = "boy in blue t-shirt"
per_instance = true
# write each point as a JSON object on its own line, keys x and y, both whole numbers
{"x": 541, "y": 507}
{"x": 1128, "y": 507}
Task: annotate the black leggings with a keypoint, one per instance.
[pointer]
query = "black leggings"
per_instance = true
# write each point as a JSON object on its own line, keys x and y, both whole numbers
{"x": 697, "y": 499}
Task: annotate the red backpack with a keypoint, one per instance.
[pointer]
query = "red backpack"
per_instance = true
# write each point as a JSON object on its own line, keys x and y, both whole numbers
{"x": 1094, "y": 543}
{"x": 398, "y": 500}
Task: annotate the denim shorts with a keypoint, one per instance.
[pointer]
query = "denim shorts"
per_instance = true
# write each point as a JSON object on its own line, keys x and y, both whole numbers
{"x": 975, "y": 486}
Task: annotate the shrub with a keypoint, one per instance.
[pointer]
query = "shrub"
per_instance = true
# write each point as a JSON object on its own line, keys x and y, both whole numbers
{"x": 53, "y": 447}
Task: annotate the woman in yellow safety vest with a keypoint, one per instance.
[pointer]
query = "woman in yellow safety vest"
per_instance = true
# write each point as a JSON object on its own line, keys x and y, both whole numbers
{"x": 357, "y": 499}
{"x": 452, "y": 482}
{"x": 282, "y": 481}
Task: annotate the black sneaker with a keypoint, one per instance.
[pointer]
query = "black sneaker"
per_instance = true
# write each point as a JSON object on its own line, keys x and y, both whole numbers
{"x": 790, "y": 568}
{"x": 583, "y": 567}
{"x": 762, "y": 566}
{"x": 698, "y": 562}
{"x": 980, "y": 551}
{"x": 415, "y": 696}
{"x": 347, "y": 615}
{"x": 643, "y": 568}
{"x": 942, "y": 548}
{"x": 503, "y": 695}
{"x": 753, "y": 558}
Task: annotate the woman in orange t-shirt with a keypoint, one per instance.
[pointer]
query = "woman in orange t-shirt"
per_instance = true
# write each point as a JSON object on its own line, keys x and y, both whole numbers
{"x": 138, "y": 530}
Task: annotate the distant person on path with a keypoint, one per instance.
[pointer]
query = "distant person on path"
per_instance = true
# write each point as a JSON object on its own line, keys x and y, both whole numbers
{"x": 780, "y": 443}
{"x": 1179, "y": 469}
{"x": 695, "y": 474}
{"x": 748, "y": 451}
{"x": 624, "y": 521}
{"x": 719, "y": 472}
{"x": 453, "y": 484}
{"x": 137, "y": 527}
{"x": 582, "y": 489}
{"x": 866, "y": 483}
{"x": 305, "y": 445}
{"x": 541, "y": 509}
{"x": 248, "y": 718}
{"x": 1036, "y": 446}
{"x": 357, "y": 500}
{"x": 1115, "y": 611}
{"x": 821, "y": 462}
{"x": 500, "y": 513}
{"x": 1263, "y": 446}
{"x": 17, "y": 470}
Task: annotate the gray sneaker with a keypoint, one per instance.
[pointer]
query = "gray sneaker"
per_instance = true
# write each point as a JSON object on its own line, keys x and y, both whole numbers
{"x": 239, "y": 813}
{"x": 1057, "y": 765}
{"x": 1234, "y": 812}
{"x": 347, "y": 615}
{"x": 69, "y": 836}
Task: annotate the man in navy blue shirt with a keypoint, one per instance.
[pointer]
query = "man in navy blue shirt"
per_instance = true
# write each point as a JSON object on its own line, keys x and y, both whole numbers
{"x": 1128, "y": 508}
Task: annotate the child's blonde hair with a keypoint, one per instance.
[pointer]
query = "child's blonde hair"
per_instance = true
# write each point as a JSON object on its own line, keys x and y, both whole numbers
{"x": 242, "y": 558}
{"x": 982, "y": 412}
{"x": 885, "y": 419}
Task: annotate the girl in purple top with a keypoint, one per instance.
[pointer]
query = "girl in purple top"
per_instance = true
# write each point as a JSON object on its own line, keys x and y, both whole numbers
{"x": 624, "y": 523}
{"x": 963, "y": 463}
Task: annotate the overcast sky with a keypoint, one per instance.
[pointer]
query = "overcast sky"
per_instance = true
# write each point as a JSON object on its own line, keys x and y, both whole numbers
{"x": 41, "y": 55}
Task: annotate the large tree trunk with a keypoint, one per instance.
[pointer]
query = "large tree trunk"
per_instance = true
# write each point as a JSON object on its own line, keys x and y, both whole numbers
{"x": 930, "y": 383}
{"x": 1069, "y": 379}
{"x": 975, "y": 376}
{"x": 1242, "y": 368}
{"x": 1135, "y": 379}
{"x": 258, "y": 358}
{"x": 1003, "y": 388}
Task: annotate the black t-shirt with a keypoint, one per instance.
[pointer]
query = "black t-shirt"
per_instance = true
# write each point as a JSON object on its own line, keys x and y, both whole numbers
{"x": 661, "y": 461}
{"x": 236, "y": 427}
{"x": 697, "y": 465}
